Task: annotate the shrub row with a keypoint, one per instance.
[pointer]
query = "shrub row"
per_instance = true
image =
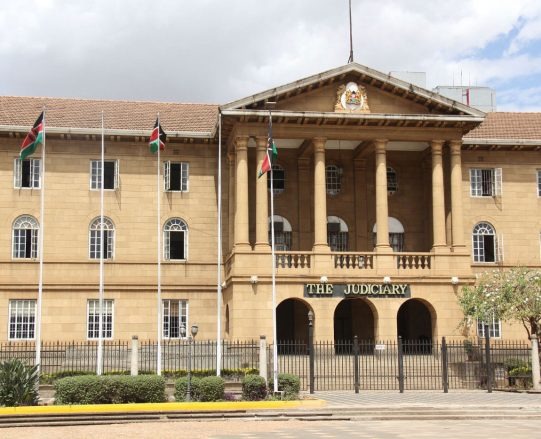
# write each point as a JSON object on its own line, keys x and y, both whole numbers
{"x": 201, "y": 389}
{"x": 111, "y": 389}
{"x": 254, "y": 387}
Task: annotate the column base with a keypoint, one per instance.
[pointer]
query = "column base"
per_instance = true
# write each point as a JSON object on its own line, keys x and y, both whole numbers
{"x": 440, "y": 249}
{"x": 460, "y": 249}
{"x": 262, "y": 247}
{"x": 383, "y": 248}
{"x": 321, "y": 248}
{"x": 242, "y": 247}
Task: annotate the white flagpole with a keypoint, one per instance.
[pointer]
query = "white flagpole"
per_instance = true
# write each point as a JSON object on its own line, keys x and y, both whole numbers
{"x": 159, "y": 298}
{"x": 40, "y": 242}
{"x": 102, "y": 248}
{"x": 219, "y": 263}
{"x": 274, "y": 332}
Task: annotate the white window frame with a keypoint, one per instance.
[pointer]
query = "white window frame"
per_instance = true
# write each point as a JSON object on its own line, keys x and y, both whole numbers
{"x": 184, "y": 176}
{"x": 333, "y": 179}
{"x": 95, "y": 174}
{"x": 94, "y": 235}
{"x": 174, "y": 225}
{"x": 479, "y": 180}
{"x": 276, "y": 190}
{"x": 183, "y": 308}
{"x": 18, "y": 308}
{"x": 92, "y": 325}
{"x": 494, "y": 328}
{"x": 478, "y": 243}
{"x": 19, "y": 244}
{"x": 35, "y": 173}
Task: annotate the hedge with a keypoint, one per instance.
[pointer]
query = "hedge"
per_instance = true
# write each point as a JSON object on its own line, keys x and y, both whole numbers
{"x": 112, "y": 389}
{"x": 254, "y": 388}
{"x": 181, "y": 389}
{"x": 290, "y": 385}
{"x": 202, "y": 389}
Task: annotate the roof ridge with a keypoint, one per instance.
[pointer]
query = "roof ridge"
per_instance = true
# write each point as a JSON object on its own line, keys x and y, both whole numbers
{"x": 109, "y": 100}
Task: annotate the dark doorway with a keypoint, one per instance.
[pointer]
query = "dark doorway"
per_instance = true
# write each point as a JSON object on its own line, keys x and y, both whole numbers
{"x": 353, "y": 317}
{"x": 292, "y": 321}
{"x": 414, "y": 325}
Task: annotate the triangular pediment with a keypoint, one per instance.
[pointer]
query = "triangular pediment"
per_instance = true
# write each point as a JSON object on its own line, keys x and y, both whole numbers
{"x": 375, "y": 93}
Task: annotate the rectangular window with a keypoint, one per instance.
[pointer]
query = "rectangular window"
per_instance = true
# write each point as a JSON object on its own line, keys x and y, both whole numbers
{"x": 22, "y": 319}
{"x": 25, "y": 243}
{"x": 95, "y": 244}
{"x": 176, "y": 176}
{"x": 175, "y": 317}
{"x": 486, "y": 182}
{"x": 539, "y": 183}
{"x": 110, "y": 176}
{"x": 93, "y": 319}
{"x": 27, "y": 174}
{"x": 494, "y": 328}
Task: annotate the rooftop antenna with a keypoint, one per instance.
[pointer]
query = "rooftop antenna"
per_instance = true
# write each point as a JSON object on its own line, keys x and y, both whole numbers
{"x": 350, "y": 59}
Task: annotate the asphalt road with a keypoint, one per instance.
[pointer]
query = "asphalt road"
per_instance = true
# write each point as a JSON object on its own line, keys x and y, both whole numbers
{"x": 279, "y": 429}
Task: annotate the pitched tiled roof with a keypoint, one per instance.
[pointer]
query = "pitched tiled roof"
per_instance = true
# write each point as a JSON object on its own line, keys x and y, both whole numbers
{"x": 119, "y": 115}
{"x": 508, "y": 126}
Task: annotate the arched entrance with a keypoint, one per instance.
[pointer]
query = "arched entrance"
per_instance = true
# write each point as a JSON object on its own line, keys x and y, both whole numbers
{"x": 353, "y": 317}
{"x": 415, "y": 323}
{"x": 292, "y": 321}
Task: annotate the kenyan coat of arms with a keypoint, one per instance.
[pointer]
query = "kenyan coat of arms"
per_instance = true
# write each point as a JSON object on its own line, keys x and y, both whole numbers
{"x": 351, "y": 98}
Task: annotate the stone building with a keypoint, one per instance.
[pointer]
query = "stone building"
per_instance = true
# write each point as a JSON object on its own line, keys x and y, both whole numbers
{"x": 388, "y": 198}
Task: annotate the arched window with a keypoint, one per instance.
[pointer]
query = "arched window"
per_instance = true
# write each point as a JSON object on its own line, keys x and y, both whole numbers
{"x": 94, "y": 238}
{"x": 392, "y": 181}
{"x": 25, "y": 237}
{"x": 484, "y": 243}
{"x": 337, "y": 234}
{"x": 175, "y": 240}
{"x": 333, "y": 179}
{"x": 396, "y": 234}
{"x": 282, "y": 233}
{"x": 278, "y": 179}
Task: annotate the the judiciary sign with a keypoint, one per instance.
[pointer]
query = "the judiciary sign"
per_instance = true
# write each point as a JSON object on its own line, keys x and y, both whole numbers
{"x": 357, "y": 290}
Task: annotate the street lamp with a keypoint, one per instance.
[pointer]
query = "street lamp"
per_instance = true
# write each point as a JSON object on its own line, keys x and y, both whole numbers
{"x": 191, "y": 338}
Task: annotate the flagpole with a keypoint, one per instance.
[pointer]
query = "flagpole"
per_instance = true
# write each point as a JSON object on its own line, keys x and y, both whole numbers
{"x": 219, "y": 252}
{"x": 274, "y": 332}
{"x": 159, "y": 297}
{"x": 102, "y": 248}
{"x": 40, "y": 241}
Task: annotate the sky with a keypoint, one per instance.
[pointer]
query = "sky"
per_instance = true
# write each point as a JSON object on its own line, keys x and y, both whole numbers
{"x": 218, "y": 51}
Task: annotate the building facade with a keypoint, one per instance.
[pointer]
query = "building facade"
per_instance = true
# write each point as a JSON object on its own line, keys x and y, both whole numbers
{"x": 388, "y": 199}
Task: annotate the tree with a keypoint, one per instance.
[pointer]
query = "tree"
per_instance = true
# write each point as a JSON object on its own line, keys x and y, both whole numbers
{"x": 511, "y": 295}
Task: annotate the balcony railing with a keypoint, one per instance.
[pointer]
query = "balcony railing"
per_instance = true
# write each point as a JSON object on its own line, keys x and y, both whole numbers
{"x": 354, "y": 260}
{"x": 292, "y": 260}
{"x": 411, "y": 261}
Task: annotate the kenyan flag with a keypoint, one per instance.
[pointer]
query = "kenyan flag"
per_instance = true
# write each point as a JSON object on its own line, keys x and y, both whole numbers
{"x": 34, "y": 138}
{"x": 156, "y": 139}
{"x": 270, "y": 157}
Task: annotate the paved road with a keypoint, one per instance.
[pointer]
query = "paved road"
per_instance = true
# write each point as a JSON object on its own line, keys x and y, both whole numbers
{"x": 244, "y": 429}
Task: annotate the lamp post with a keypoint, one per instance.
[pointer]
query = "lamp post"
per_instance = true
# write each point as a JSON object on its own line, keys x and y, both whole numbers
{"x": 191, "y": 338}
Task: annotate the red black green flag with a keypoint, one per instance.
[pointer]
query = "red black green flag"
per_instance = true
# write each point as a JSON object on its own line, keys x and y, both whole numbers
{"x": 269, "y": 159}
{"x": 157, "y": 139}
{"x": 33, "y": 138}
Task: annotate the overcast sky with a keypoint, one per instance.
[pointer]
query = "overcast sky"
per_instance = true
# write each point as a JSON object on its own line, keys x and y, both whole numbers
{"x": 216, "y": 51}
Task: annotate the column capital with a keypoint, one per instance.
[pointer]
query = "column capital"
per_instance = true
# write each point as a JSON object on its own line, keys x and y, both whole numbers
{"x": 380, "y": 145}
{"x": 455, "y": 146}
{"x": 436, "y": 145}
{"x": 241, "y": 143}
{"x": 261, "y": 142}
{"x": 319, "y": 143}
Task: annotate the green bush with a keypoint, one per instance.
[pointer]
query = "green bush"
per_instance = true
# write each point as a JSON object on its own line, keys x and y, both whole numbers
{"x": 18, "y": 383}
{"x": 49, "y": 378}
{"x": 181, "y": 388}
{"x": 111, "y": 389}
{"x": 212, "y": 389}
{"x": 254, "y": 388}
{"x": 290, "y": 385}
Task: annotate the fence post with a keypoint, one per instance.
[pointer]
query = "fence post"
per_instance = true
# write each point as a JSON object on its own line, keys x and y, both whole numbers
{"x": 311, "y": 349}
{"x": 134, "y": 370}
{"x": 535, "y": 363}
{"x": 444, "y": 365}
{"x": 487, "y": 357}
{"x": 263, "y": 357}
{"x": 400, "y": 365}
{"x": 356, "y": 362}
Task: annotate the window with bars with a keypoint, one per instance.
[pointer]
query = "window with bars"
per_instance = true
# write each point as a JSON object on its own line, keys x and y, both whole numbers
{"x": 22, "y": 319}
{"x": 539, "y": 183}
{"x": 110, "y": 176}
{"x": 93, "y": 319}
{"x": 176, "y": 176}
{"x": 392, "y": 181}
{"x": 278, "y": 179}
{"x": 337, "y": 234}
{"x": 282, "y": 233}
{"x": 333, "y": 179}
{"x": 175, "y": 240}
{"x": 486, "y": 182}
{"x": 175, "y": 317}
{"x": 25, "y": 238}
{"x": 94, "y": 239}
{"x": 27, "y": 174}
{"x": 494, "y": 328}
{"x": 487, "y": 247}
